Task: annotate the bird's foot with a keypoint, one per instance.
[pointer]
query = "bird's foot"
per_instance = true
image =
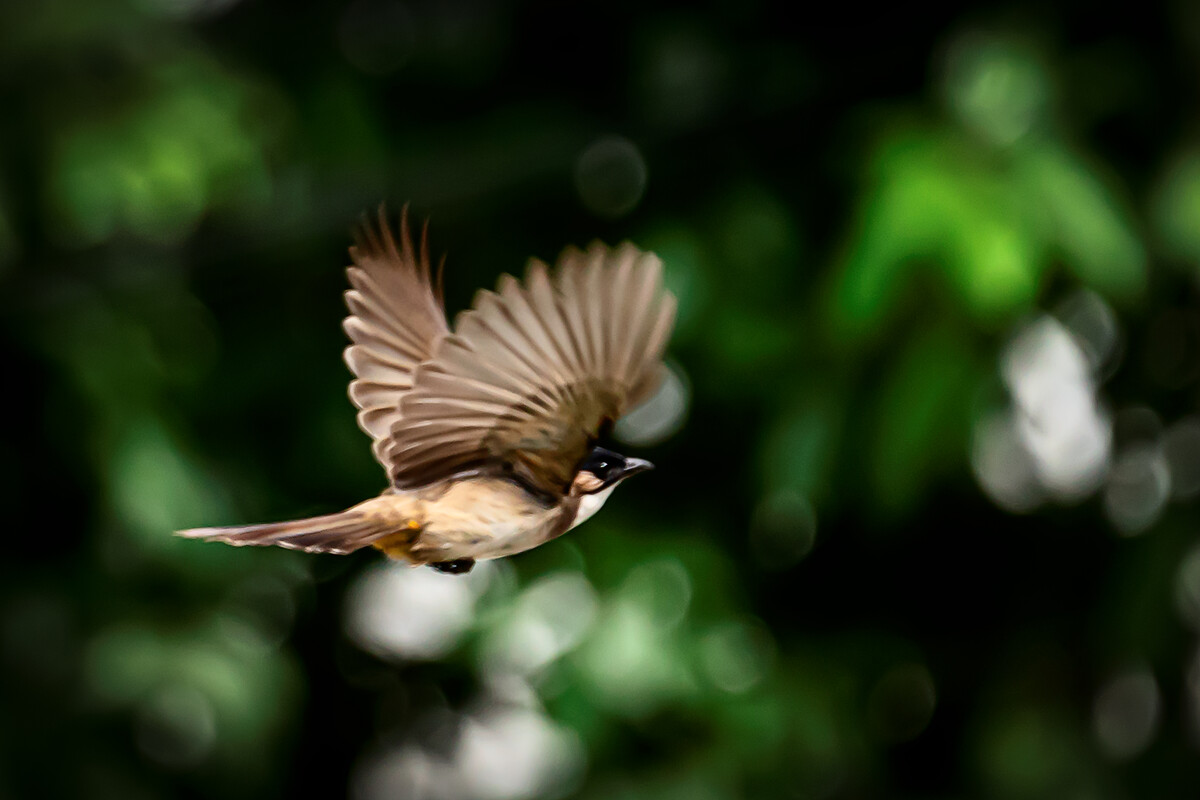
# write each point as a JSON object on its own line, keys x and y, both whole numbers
{"x": 459, "y": 566}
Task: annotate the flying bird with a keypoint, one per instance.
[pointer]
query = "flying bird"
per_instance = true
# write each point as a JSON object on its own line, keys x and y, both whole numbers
{"x": 488, "y": 431}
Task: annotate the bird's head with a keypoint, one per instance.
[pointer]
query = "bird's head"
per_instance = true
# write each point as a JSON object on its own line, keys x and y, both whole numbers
{"x": 604, "y": 469}
{"x": 598, "y": 474}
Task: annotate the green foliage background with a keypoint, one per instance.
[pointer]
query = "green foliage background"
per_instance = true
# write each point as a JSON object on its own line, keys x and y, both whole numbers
{"x": 819, "y": 594}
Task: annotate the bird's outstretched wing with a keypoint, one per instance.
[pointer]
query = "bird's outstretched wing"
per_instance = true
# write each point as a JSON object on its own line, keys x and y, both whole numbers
{"x": 534, "y": 371}
{"x": 395, "y": 323}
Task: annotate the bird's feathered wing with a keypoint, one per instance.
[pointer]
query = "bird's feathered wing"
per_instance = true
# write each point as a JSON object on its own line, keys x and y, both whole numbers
{"x": 534, "y": 371}
{"x": 396, "y": 321}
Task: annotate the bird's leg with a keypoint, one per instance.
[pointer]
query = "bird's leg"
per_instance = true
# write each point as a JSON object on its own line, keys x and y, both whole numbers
{"x": 459, "y": 566}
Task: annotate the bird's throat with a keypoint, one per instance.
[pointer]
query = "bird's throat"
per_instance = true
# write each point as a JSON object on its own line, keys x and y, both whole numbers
{"x": 589, "y": 504}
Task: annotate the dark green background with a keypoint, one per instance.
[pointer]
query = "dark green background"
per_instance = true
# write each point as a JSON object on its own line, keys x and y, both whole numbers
{"x": 812, "y": 597}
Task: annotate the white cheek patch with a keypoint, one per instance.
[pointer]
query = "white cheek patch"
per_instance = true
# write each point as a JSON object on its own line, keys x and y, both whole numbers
{"x": 589, "y": 504}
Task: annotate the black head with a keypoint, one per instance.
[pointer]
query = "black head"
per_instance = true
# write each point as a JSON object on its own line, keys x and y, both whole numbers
{"x": 603, "y": 468}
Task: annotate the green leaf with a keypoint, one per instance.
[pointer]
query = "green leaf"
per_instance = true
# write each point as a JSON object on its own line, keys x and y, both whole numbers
{"x": 1086, "y": 221}
{"x": 922, "y": 417}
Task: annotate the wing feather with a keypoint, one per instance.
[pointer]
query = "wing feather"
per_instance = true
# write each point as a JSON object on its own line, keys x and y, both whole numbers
{"x": 533, "y": 371}
{"x": 396, "y": 322}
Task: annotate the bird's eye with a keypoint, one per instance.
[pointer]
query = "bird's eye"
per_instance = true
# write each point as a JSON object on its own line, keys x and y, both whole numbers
{"x": 602, "y": 464}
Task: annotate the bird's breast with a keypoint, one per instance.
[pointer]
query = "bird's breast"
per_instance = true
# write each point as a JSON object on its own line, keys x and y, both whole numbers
{"x": 485, "y": 518}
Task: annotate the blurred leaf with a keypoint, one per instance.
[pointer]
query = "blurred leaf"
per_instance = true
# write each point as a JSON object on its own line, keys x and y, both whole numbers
{"x": 923, "y": 416}
{"x": 1029, "y": 751}
{"x": 251, "y": 688}
{"x": 987, "y": 226}
{"x": 688, "y": 274}
{"x": 756, "y": 726}
{"x": 743, "y": 342}
{"x": 1176, "y": 206}
{"x": 157, "y": 491}
{"x": 154, "y": 168}
{"x": 799, "y": 451}
{"x": 935, "y": 203}
{"x": 758, "y": 241}
{"x": 1085, "y": 221}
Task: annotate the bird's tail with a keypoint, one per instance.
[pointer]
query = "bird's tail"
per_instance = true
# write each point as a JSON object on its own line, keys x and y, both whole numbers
{"x": 333, "y": 533}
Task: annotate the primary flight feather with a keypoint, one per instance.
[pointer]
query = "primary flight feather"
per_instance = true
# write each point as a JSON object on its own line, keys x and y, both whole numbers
{"x": 488, "y": 431}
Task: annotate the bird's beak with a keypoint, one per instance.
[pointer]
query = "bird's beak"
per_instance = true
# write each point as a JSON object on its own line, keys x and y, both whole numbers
{"x": 634, "y": 466}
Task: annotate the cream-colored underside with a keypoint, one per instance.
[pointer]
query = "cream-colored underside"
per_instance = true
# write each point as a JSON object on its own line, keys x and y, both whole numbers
{"x": 589, "y": 504}
{"x": 478, "y": 518}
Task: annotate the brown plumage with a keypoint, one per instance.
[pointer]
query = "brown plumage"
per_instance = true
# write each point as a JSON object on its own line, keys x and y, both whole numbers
{"x": 487, "y": 432}
{"x": 396, "y": 321}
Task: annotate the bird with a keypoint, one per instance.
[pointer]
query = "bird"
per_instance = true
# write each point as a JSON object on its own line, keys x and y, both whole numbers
{"x": 489, "y": 431}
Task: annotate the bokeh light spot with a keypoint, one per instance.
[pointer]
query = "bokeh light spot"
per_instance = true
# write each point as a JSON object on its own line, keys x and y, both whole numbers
{"x": 377, "y": 36}
{"x": 1002, "y": 465}
{"x": 177, "y": 726}
{"x": 121, "y": 661}
{"x": 995, "y": 86}
{"x": 662, "y": 587}
{"x": 265, "y": 603}
{"x": 398, "y": 611}
{"x": 901, "y": 704}
{"x": 1181, "y": 449}
{"x": 1063, "y": 427}
{"x": 783, "y": 529}
{"x": 662, "y": 415}
{"x": 736, "y": 656}
{"x": 1187, "y": 588}
{"x": 549, "y": 618}
{"x": 1126, "y": 714}
{"x": 1093, "y": 324}
{"x": 627, "y": 664}
{"x": 682, "y": 76}
{"x": 610, "y": 176}
{"x": 1026, "y": 751}
{"x": 1139, "y": 484}
{"x": 508, "y": 753}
